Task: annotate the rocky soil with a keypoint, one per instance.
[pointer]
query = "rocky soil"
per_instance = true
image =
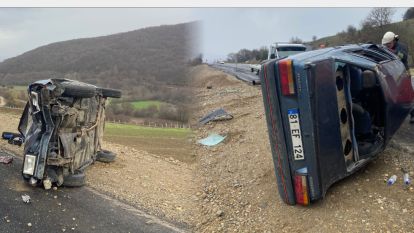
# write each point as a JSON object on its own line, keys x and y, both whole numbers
{"x": 239, "y": 191}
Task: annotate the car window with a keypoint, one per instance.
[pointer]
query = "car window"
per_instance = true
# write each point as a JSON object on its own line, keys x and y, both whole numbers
{"x": 287, "y": 51}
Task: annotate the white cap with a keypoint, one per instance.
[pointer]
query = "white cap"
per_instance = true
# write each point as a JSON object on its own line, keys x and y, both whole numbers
{"x": 388, "y": 37}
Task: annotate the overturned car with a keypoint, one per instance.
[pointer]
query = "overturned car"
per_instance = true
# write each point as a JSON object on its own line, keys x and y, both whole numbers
{"x": 62, "y": 127}
{"x": 329, "y": 112}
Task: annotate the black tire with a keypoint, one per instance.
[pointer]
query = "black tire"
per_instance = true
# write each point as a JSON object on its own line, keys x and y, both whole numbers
{"x": 74, "y": 180}
{"x": 10, "y": 135}
{"x": 78, "y": 89}
{"x": 108, "y": 92}
{"x": 105, "y": 156}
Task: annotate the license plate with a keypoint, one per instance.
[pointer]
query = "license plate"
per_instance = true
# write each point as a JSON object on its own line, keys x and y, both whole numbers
{"x": 295, "y": 134}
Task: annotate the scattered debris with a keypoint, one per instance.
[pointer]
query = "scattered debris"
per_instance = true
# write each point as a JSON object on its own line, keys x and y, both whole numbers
{"x": 406, "y": 179}
{"x": 212, "y": 140}
{"x": 219, "y": 213}
{"x": 47, "y": 184}
{"x": 9, "y": 135}
{"x": 29, "y": 224}
{"x": 392, "y": 180}
{"x": 6, "y": 159}
{"x": 26, "y": 198}
{"x": 217, "y": 115}
{"x": 209, "y": 87}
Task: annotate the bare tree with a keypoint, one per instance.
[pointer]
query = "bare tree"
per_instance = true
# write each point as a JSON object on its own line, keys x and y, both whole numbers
{"x": 378, "y": 17}
{"x": 296, "y": 40}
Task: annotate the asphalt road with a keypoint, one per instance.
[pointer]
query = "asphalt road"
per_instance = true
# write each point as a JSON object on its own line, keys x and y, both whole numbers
{"x": 240, "y": 71}
{"x": 66, "y": 209}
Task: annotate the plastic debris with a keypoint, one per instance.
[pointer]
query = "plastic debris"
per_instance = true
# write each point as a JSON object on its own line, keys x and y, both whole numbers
{"x": 47, "y": 184}
{"x": 6, "y": 159}
{"x": 217, "y": 115}
{"x": 212, "y": 140}
{"x": 26, "y": 198}
{"x": 406, "y": 179}
{"x": 392, "y": 180}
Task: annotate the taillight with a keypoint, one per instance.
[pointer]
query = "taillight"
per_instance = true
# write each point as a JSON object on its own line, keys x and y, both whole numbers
{"x": 301, "y": 187}
{"x": 286, "y": 77}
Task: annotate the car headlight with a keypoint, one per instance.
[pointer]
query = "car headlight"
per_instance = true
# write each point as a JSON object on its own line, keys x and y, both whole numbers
{"x": 29, "y": 164}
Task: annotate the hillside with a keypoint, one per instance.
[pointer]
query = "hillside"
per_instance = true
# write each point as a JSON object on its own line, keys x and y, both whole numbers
{"x": 405, "y": 30}
{"x": 140, "y": 61}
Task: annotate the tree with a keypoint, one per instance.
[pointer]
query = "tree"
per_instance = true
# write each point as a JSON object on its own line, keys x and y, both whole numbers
{"x": 378, "y": 17}
{"x": 409, "y": 14}
{"x": 296, "y": 40}
{"x": 314, "y": 38}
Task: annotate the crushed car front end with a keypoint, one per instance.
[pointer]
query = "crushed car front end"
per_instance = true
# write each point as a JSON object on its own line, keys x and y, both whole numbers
{"x": 62, "y": 126}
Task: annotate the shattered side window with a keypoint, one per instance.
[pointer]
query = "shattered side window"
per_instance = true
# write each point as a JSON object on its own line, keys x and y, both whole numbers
{"x": 372, "y": 55}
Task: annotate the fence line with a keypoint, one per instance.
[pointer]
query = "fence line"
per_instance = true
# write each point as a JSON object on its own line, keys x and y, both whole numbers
{"x": 153, "y": 124}
{"x": 145, "y": 124}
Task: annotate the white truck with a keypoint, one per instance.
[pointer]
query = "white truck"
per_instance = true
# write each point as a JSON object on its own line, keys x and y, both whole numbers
{"x": 279, "y": 50}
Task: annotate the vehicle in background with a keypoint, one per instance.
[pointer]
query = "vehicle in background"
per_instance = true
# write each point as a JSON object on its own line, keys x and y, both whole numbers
{"x": 62, "y": 128}
{"x": 279, "y": 50}
{"x": 329, "y": 112}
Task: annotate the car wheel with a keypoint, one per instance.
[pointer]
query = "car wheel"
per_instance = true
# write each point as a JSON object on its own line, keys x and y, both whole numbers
{"x": 107, "y": 92}
{"x": 105, "y": 156}
{"x": 76, "y": 89}
{"x": 74, "y": 180}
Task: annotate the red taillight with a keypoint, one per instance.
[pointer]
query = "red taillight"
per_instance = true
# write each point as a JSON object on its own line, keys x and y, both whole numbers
{"x": 286, "y": 77}
{"x": 301, "y": 189}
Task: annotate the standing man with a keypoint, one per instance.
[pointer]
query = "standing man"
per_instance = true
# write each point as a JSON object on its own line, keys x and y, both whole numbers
{"x": 390, "y": 40}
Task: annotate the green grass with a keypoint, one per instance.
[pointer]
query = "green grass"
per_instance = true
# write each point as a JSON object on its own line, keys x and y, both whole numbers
{"x": 138, "y": 105}
{"x": 113, "y": 129}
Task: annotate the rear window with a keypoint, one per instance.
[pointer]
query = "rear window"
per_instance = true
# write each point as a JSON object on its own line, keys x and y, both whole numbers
{"x": 287, "y": 51}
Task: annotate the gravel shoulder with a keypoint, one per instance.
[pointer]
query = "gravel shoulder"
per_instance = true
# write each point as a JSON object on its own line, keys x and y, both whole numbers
{"x": 239, "y": 191}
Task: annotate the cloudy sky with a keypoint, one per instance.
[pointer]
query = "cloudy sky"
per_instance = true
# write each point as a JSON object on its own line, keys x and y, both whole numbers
{"x": 224, "y": 30}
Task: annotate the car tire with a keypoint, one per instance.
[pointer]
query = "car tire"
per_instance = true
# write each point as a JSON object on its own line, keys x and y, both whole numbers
{"x": 105, "y": 156}
{"x": 76, "y": 89}
{"x": 108, "y": 92}
{"x": 74, "y": 180}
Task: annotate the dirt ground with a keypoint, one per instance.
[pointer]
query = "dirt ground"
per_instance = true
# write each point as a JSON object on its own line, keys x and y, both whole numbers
{"x": 162, "y": 186}
{"x": 239, "y": 186}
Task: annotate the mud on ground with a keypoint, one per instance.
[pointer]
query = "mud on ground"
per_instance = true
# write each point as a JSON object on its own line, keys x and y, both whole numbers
{"x": 239, "y": 192}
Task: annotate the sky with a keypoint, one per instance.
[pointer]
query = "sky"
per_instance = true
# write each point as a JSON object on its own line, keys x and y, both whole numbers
{"x": 223, "y": 30}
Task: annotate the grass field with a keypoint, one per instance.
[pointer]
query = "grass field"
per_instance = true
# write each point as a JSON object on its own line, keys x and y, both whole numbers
{"x": 164, "y": 142}
{"x": 113, "y": 129}
{"x": 138, "y": 105}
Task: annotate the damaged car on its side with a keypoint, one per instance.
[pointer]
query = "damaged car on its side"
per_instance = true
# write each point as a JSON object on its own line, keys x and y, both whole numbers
{"x": 329, "y": 112}
{"x": 62, "y": 126}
